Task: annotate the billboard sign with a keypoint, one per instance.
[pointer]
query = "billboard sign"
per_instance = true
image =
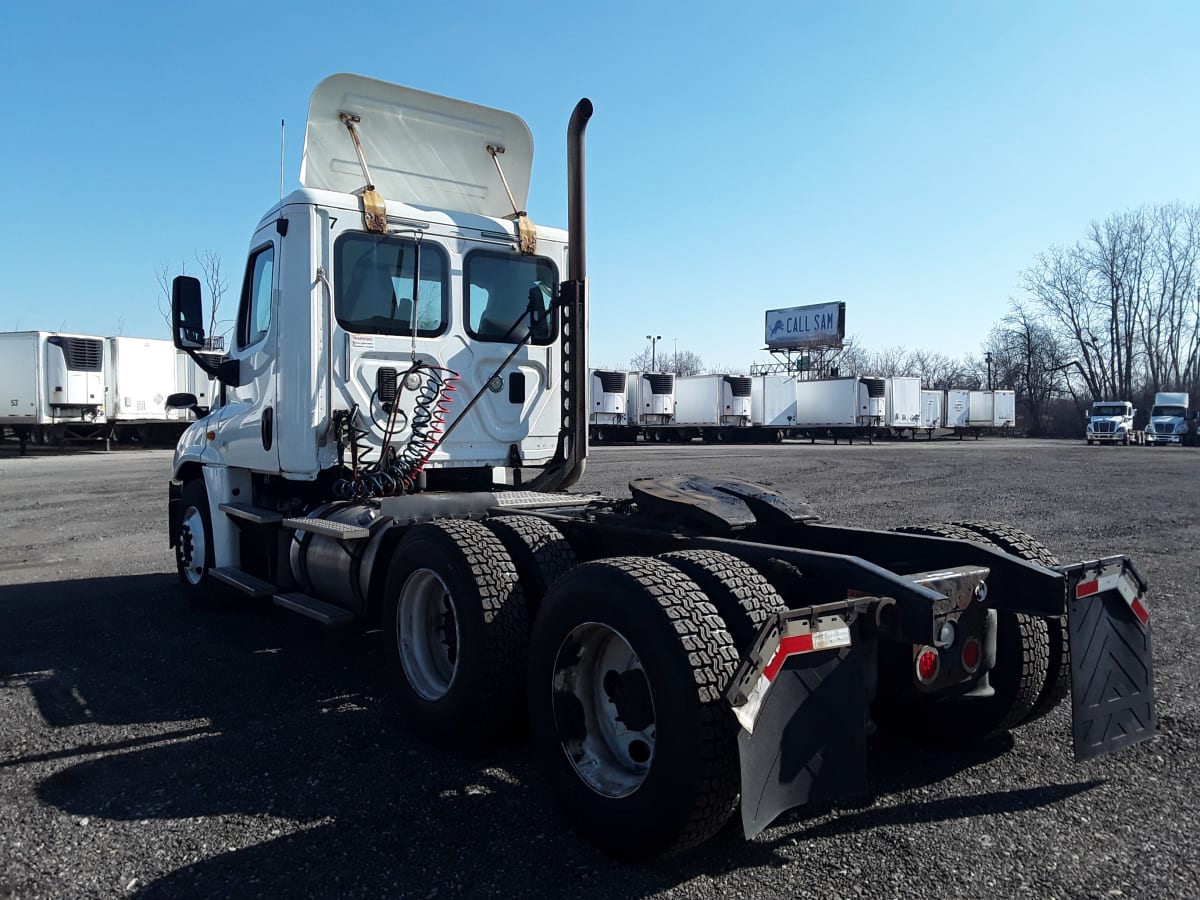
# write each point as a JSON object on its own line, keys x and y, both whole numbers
{"x": 818, "y": 325}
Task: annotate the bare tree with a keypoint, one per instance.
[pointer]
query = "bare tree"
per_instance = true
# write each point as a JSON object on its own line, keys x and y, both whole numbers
{"x": 683, "y": 362}
{"x": 217, "y": 283}
{"x": 1027, "y": 357}
{"x": 164, "y": 276}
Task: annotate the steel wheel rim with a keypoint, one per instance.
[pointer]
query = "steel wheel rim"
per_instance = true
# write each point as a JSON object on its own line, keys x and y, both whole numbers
{"x": 604, "y": 710}
{"x": 427, "y": 634}
{"x": 193, "y": 550}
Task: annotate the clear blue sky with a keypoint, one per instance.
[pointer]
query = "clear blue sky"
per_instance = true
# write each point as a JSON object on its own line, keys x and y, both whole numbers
{"x": 908, "y": 158}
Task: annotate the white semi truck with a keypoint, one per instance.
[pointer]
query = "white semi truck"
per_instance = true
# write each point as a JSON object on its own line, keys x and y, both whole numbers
{"x": 52, "y": 387}
{"x": 395, "y": 446}
{"x": 1168, "y": 419}
{"x": 1111, "y": 422}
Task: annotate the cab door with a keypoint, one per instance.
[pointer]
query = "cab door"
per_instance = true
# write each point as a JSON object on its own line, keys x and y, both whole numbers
{"x": 247, "y": 430}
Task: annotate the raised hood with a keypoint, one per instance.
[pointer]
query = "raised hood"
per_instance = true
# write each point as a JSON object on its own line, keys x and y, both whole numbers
{"x": 421, "y": 148}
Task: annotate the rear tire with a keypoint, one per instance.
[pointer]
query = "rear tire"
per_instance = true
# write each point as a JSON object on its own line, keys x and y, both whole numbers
{"x": 1017, "y": 678}
{"x": 628, "y": 667}
{"x": 540, "y": 552}
{"x": 742, "y": 596}
{"x": 456, "y": 631}
{"x": 1058, "y": 666}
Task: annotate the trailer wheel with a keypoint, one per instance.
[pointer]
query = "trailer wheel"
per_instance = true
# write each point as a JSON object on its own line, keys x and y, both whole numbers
{"x": 628, "y": 667}
{"x": 456, "y": 631}
{"x": 1017, "y": 678}
{"x": 540, "y": 552}
{"x": 1058, "y": 668}
{"x": 742, "y": 596}
{"x": 194, "y": 545}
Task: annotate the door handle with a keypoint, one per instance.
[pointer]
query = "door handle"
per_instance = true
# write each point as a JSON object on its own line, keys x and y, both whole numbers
{"x": 268, "y": 422}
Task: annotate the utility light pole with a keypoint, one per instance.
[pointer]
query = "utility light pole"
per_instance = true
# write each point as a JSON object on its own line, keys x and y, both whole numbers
{"x": 653, "y": 339}
{"x": 988, "y": 357}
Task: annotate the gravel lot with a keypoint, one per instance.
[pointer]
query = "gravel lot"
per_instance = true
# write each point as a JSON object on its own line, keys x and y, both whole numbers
{"x": 146, "y": 750}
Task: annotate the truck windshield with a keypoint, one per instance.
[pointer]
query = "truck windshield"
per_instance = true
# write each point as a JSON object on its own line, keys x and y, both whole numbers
{"x": 502, "y": 291}
{"x": 1177, "y": 411}
{"x": 373, "y": 285}
{"x": 1108, "y": 411}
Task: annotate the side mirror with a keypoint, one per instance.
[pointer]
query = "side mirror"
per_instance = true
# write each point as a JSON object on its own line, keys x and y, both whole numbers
{"x": 180, "y": 401}
{"x": 187, "y": 313}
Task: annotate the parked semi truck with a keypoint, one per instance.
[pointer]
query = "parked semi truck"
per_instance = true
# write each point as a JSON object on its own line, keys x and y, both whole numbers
{"x": 52, "y": 387}
{"x": 397, "y": 445}
{"x": 1168, "y": 419}
{"x": 1111, "y": 422}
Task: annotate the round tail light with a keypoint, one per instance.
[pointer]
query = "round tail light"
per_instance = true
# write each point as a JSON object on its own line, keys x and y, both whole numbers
{"x": 928, "y": 664}
{"x": 972, "y": 654}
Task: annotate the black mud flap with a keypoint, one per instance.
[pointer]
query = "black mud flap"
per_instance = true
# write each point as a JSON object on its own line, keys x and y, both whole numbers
{"x": 1112, "y": 674}
{"x": 803, "y": 712}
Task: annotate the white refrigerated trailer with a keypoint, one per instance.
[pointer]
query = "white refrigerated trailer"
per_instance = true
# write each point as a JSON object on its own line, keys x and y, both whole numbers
{"x": 840, "y": 407}
{"x": 902, "y": 404}
{"x": 1004, "y": 409}
{"x": 773, "y": 406}
{"x": 650, "y": 404}
{"x": 52, "y": 387}
{"x": 608, "y": 410}
{"x": 933, "y": 406}
{"x": 140, "y": 374}
{"x": 711, "y": 407}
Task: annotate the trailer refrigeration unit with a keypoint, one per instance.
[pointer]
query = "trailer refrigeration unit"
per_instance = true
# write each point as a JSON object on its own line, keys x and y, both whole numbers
{"x": 52, "y": 387}
{"x": 933, "y": 404}
{"x": 902, "y": 396}
{"x": 608, "y": 418}
{"x": 840, "y": 408}
{"x": 650, "y": 404}
{"x": 695, "y": 641}
{"x": 713, "y": 407}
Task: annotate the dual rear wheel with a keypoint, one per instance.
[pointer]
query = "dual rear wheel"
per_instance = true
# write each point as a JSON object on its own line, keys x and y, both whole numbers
{"x": 622, "y": 673}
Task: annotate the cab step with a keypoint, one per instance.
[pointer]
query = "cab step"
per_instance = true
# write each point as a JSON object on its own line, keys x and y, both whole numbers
{"x": 255, "y": 515}
{"x": 250, "y": 585}
{"x": 319, "y": 610}
{"x": 327, "y": 527}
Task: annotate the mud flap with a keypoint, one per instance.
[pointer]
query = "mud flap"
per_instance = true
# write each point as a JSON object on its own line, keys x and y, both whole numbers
{"x": 1112, "y": 675}
{"x": 802, "y": 705}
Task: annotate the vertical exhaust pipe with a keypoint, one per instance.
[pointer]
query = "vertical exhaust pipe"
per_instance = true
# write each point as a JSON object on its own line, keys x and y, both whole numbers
{"x": 576, "y": 193}
{"x": 569, "y": 458}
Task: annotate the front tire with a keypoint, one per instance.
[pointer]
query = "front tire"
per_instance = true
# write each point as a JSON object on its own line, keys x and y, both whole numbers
{"x": 456, "y": 631}
{"x": 628, "y": 667}
{"x": 194, "y": 546}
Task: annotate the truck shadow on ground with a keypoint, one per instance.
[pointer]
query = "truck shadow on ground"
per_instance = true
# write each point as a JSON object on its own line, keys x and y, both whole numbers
{"x": 253, "y": 714}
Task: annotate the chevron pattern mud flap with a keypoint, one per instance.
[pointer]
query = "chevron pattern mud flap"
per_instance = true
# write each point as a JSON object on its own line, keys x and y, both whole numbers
{"x": 803, "y": 715}
{"x": 1112, "y": 675}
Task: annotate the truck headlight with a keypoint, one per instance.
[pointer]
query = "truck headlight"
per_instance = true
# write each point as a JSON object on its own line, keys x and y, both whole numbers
{"x": 1149, "y": 429}
{"x": 1181, "y": 428}
{"x": 1120, "y": 429}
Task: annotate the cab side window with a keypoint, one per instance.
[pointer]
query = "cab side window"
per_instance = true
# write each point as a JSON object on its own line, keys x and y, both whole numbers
{"x": 254, "y": 312}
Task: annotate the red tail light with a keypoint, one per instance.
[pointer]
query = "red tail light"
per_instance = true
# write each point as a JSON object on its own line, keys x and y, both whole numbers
{"x": 928, "y": 664}
{"x": 972, "y": 654}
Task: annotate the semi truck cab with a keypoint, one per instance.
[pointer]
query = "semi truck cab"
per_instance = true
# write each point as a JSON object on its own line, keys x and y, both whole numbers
{"x": 1111, "y": 422}
{"x": 1168, "y": 418}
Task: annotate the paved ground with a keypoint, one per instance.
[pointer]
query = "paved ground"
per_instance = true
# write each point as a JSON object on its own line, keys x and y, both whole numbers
{"x": 146, "y": 750}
